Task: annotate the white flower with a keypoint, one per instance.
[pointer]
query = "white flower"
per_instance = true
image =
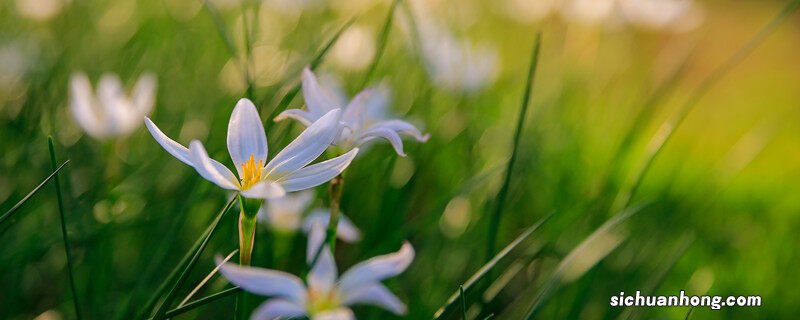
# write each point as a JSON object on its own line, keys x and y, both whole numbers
{"x": 327, "y": 296}
{"x": 456, "y": 64}
{"x": 363, "y": 118}
{"x": 110, "y": 113}
{"x": 247, "y": 144}
{"x": 286, "y": 214}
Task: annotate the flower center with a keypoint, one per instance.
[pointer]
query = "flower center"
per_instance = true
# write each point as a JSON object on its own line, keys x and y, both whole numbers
{"x": 319, "y": 301}
{"x": 251, "y": 173}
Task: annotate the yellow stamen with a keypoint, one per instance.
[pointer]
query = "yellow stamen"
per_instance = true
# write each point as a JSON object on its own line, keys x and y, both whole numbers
{"x": 251, "y": 173}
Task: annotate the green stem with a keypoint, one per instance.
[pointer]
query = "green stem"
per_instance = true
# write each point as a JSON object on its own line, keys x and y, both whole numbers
{"x": 247, "y": 234}
{"x": 494, "y": 223}
{"x": 67, "y": 247}
{"x": 337, "y": 185}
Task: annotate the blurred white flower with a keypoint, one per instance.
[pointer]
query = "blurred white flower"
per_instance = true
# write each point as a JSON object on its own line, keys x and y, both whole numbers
{"x": 676, "y": 15}
{"x": 664, "y": 15}
{"x": 286, "y": 214}
{"x": 111, "y": 112}
{"x": 247, "y": 144}
{"x": 327, "y": 296}
{"x": 531, "y": 10}
{"x": 40, "y": 10}
{"x": 363, "y": 117}
{"x": 455, "y": 64}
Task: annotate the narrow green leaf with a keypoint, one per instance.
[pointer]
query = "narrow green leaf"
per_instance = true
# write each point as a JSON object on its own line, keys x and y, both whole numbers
{"x": 383, "y": 40}
{"x": 494, "y": 223}
{"x": 452, "y": 303}
{"x": 689, "y": 313}
{"x": 463, "y": 302}
{"x": 668, "y": 128}
{"x": 65, "y": 237}
{"x": 185, "y": 262}
{"x": 19, "y": 204}
{"x": 162, "y": 308}
{"x": 201, "y": 302}
{"x": 284, "y": 102}
{"x": 661, "y": 274}
{"x": 582, "y": 258}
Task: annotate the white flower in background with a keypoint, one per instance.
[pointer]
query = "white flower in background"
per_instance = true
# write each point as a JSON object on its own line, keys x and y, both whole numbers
{"x": 247, "y": 144}
{"x": 676, "y": 15}
{"x": 590, "y": 12}
{"x": 327, "y": 296}
{"x": 666, "y": 15}
{"x": 111, "y": 112}
{"x": 363, "y": 117}
{"x": 39, "y": 10}
{"x": 455, "y": 64}
{"x": 286, "y": 214}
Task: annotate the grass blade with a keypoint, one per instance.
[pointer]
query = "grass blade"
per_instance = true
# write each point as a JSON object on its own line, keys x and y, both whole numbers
{"x": 185, "y": 263}
{"x": 667, "y": 129}
{"x": 202, "y": 301}
{"x": 383, "y": 39}
{"x": 284, "y": 102}
{"x": 452, "y": 303}
{"x": 67, "y": 247}
{"x": 19, "y": 204}
{"x": 494, "y": 224}
{"x": 206, "y": 279}
{"x": 162, "y": 309}
{"x": 582, "y": 258}
{"x": 463, "y": 302}
{"x": 680, "y": 249}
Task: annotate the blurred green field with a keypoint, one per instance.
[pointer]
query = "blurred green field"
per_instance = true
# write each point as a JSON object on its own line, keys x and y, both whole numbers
{"x": 718, "y": 206}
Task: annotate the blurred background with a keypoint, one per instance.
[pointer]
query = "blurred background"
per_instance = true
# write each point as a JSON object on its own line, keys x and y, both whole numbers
{"x": 719, "y": 210}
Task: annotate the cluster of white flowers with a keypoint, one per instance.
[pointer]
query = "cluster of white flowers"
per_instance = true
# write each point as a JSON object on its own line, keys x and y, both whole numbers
{"x": 330, "y": 121}
{"x": 665, "y": 15}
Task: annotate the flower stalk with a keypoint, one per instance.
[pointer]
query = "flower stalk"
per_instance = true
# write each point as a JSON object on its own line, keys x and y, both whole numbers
{"x": 247, "y": 227}
{"x": 337, "y": 184}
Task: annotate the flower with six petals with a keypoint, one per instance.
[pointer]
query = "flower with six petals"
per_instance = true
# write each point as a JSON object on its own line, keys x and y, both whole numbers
{"x": 363, "y": 117}
{"x": 288, "y": 171}
{"x": 327, "y": 296}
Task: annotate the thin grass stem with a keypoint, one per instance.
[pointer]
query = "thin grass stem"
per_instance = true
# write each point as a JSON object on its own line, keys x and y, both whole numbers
{"x": 494, "y": 223}
{"x": 65, "y": 237}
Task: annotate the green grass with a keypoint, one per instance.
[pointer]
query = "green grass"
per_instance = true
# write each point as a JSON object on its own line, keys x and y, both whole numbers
{"x": 700, "y": 126}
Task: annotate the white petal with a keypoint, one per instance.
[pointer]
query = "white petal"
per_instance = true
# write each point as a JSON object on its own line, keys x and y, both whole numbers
{"x": 144, "y": 93}
{"x": 317, "y": 174}
{"x": 355, "y": 114}
{"x": 117, "y": 110}
{"x": 305, "y": 117}
{"x": 388, "y": 134}
{"x": 206, "y": 168}
{"x": 307, "y": 146}
{"x": 323, "y": 274}
{"x": 374, "y": 294}
{"x": 316, "y": 237}
{"x": 265, "y": 282}
{"x": 377, "y": 269}
{"x": 404, "y": 127}
{"x": 336, "y": 314}
{"x": 264, "y": 190}
{"x": 174, "y": 148}
{"x": 285, "y": 213}
{"x": 277, "y": 309}
{"x": 345, "y": 230}
{"x": 82, "y": 104}
{"x": 246, "y": 135}
{"x": 319, "y": 100}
